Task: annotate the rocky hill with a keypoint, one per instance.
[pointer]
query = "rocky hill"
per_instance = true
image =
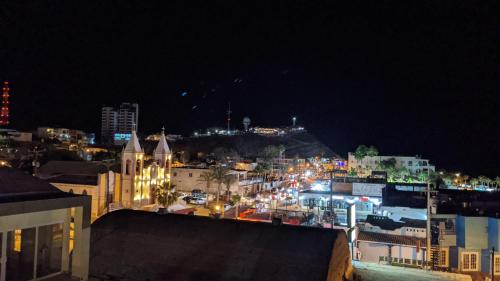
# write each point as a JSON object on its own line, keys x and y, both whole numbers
{"x": 302, "y": 145}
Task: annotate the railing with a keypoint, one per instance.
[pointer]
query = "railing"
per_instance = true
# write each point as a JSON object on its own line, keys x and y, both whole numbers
{"x": 401, "y": 261}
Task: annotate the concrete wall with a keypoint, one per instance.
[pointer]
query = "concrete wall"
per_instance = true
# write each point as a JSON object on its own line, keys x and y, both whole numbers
{"x": 476, "y": 232}
{"x": 371, "y": 251}
{"x": 90, "y": 190}
{"x": 340, "y": 268}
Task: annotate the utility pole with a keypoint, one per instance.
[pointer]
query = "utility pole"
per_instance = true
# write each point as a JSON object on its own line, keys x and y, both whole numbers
{"x": 428, "y": 228}
{"x": 35, "y": 163}
{"x": 331, "y": 199}
{"x": 492, "y": 263}
{"x": 229, "y": 119}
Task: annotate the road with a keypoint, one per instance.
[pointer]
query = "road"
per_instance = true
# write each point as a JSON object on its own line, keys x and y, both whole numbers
{"x": 378, "y": 272}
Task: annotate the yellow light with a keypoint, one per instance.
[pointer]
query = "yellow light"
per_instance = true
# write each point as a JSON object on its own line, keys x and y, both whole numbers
{"x": 17, "y": 240}
{"x": 217, "y": 207}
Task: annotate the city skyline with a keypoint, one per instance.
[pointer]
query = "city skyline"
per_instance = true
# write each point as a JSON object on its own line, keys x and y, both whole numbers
{"x": 408, "y": 88}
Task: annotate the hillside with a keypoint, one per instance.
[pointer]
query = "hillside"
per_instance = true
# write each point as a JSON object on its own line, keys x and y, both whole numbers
{"x": 303, "y": 145}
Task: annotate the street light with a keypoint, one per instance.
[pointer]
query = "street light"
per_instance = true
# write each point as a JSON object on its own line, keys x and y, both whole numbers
{"x": 294, "y": 120}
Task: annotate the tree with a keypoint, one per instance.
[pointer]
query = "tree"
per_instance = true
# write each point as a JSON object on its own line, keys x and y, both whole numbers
{"x": 262, "y": 169}
{"x": 474, "y": 182}
{"x": 224, "y": 155}
{"x": 372, "y": 151}
{"x": 236, "y": 200}
{"x": 166, "y": 195}
{"x": 360, "y": 152}
{"x": 229, "y": 179}
{"x": 497, "y": 181}
{"x": 208, "y": 178}
{"x": 219, "y": 173}
{"x": 484, "y": 180}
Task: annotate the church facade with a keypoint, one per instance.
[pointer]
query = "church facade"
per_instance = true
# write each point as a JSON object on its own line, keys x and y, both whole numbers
{"x": 140, "y": 177}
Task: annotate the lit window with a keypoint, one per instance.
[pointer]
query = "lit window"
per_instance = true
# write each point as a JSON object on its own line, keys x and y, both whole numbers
{"x": 443, "y": 258}
{"x": 17, "y": 240}
{"x": 497, "y": 264}
{"x": 190, "y": 175}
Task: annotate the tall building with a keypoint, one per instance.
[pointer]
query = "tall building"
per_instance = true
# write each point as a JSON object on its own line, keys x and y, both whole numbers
{"x": 4, "y": 111}
{"x": 117, "y": 123}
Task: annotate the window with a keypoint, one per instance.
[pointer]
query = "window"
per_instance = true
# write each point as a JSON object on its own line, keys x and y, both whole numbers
{"x": 443, "y": 258}
{"x": 410, "y": 163}
{"x": 497, "y": 264}
{"x": 469, "y": 261}
{"x": 138, "y": 167}
{"x": 190, "y": 175}
{"x": 175, "y": 174}
{"x": 127, "y": 168}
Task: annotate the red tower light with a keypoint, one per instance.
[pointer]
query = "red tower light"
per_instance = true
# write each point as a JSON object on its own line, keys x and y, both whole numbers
{"x": 4, "y": 111}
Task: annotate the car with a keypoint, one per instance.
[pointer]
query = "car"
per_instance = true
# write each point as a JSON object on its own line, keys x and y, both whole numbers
{"x": 182, "y": 194}
{"x": 187, "y": 198}
{"x": 197, "y": 201}
{"x": 196, "y": 191}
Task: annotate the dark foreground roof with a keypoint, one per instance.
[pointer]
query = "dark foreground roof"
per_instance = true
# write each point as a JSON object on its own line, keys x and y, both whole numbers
{"x": 77, "y": 168}
{"x": 16, "y": 185}
{"x": 390, "y": 239}
{"x": 135, "y": 245}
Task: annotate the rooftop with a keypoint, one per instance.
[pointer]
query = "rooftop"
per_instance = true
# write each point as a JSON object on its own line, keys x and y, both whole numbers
{"x": 19, "y": 186}
{"x": 390, "y": 239}
{"x": 138, "y": 245}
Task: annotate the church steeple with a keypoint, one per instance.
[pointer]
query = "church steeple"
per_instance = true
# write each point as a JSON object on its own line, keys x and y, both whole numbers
{"x": 162, "y": 151}
{"x": 162, "y": 147}
{"x": 133, "y": 145}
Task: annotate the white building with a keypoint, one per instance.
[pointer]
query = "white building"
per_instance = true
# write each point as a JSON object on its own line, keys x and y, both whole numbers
{"x": 44, "y": 233}
{"x": 189, "y": 178}
{"x": 414, "y": 164}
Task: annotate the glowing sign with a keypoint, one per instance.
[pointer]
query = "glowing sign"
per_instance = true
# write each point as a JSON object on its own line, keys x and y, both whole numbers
{"x": 122, "y": 137}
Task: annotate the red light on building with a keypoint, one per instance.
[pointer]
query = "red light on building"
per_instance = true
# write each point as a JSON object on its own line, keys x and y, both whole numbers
{"x": 4, "y": 111}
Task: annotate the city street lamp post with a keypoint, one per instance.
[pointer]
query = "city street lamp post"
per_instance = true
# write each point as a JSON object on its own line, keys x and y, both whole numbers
{"x": 492, "y": 252}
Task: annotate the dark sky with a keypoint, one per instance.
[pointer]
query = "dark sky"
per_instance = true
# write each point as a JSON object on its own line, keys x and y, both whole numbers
{"x": 411, "y": 77}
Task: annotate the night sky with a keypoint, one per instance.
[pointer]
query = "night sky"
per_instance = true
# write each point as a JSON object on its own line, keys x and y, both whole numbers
{"x": 410, "y": 77}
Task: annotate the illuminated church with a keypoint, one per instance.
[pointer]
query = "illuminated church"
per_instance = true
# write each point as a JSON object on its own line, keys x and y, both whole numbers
{"x": 139, "y": 176}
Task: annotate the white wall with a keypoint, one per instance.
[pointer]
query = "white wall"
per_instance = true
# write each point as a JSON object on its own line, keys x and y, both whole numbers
{"x": 187, "y": 179}
{"x": 371, "y": 251}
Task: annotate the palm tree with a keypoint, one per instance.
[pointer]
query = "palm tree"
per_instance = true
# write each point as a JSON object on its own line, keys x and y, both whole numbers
{"x": 208, "y": 178}
{"x": 371, "y": 151}
{"x": 219, "y": 173}
{"x": 360, "y": 152}
{"x": 497, "y": 181}
{"x": 166, "y": 195}
{"x": 261, "y": 170}
{"x": 228, "y": 181}
{"x": 236, "y": 199}
{"x": 474, "y": 182}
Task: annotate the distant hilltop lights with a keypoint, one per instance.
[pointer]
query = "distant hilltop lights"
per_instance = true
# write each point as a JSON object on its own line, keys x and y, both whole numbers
{"x": 263, "y": 131}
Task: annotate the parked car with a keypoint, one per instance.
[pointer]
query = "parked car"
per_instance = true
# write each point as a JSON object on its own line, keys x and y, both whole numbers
{"x": 197, "y": 201}
{"x": 196, "y": 191}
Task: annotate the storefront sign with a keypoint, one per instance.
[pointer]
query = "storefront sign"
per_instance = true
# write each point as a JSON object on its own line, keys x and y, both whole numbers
{"x": 367, "y": 189}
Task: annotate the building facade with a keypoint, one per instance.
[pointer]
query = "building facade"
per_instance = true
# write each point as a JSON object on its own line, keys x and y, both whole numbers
{"x": 138, "y": 177}
{"x": 117, "y": 123}
{"x": 44, "y": 233}
{"x": 414, "y": 164}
